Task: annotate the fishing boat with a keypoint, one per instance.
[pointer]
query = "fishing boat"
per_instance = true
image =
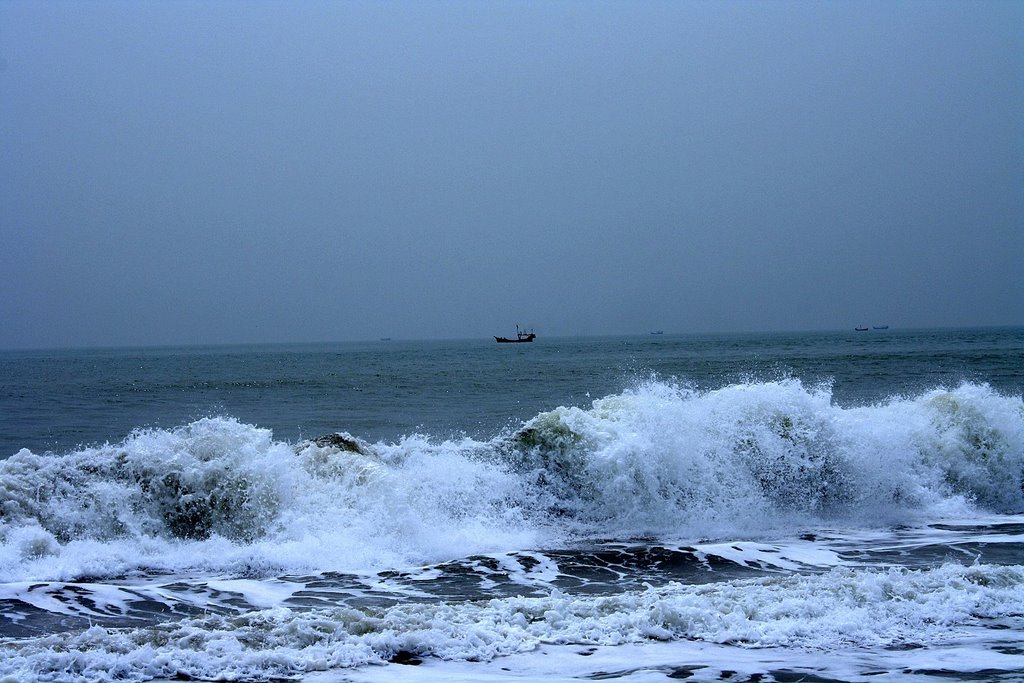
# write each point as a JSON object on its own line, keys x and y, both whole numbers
{"x": 860, "y": 329}
{"x": 879, "y": 327}
{"x": 521, "y": 337}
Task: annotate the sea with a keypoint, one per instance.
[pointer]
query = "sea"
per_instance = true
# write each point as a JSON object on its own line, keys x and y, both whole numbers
{"x": 823, "y": 506}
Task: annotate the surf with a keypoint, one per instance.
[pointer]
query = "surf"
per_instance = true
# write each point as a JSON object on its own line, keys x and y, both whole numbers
{"x": 870, "y": 610}
{"x": 660, "y": 460}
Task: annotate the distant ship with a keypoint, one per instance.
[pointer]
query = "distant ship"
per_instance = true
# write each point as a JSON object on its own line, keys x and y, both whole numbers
{"x": 861, "y": 329}
{"x": 880, "y": 327}
{"x": 521, "y": 337}
{"x": 658, "y": 332}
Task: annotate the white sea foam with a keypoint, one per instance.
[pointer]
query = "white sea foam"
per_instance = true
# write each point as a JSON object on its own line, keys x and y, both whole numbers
{"x": 842, "y": 609}
{"x": 220, "y": 497}
{"x": 701, "y": 662}
{"x": 793, "y": 556}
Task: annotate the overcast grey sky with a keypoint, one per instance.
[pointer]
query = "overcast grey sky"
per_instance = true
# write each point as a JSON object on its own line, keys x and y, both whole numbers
{"x": 218, "y": 172}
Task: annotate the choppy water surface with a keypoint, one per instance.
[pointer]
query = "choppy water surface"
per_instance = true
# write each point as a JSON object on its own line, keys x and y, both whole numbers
{"x": 847, "y": 507}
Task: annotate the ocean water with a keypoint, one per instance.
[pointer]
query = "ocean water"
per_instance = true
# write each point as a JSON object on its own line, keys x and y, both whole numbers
{"x": 821, "y": 507}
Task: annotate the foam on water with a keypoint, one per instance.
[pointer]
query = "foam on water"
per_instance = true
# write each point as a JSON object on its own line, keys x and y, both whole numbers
{"x": 837, "y": 610}
{"x": 701, "y": 662}
{"x": 219, "y": 496}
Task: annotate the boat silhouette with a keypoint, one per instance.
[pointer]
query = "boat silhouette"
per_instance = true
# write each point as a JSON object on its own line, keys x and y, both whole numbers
{"x": 521, "y": 337}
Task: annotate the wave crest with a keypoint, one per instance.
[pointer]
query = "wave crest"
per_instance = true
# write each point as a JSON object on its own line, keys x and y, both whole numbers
{"x": 749, "y": 451}
{"x": 212, "y": 476}
{"x": 658, "y": 460}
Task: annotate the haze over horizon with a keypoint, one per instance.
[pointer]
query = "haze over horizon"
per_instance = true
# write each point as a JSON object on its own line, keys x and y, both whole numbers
{"x": 216, "y": 173}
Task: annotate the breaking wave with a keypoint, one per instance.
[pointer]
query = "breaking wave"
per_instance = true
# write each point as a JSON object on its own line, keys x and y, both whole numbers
{"x": 660, "y": 460}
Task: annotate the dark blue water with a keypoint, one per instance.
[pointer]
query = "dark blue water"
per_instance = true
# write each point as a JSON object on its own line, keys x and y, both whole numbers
{"x": 56, "y": 401}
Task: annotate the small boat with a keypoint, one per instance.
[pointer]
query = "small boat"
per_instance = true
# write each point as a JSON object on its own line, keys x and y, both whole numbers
{"x": 860, "y": 329}
{"x": 880, "y": 327}
{"x": 521, "y": 337}
{"x": 658, "y": 332}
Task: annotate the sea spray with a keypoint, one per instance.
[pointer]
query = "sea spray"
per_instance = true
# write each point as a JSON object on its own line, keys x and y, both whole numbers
{"x": 660, "y": 460}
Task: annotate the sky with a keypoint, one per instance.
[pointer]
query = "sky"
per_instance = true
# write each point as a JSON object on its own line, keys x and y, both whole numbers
{"x": 235, "y": 172}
